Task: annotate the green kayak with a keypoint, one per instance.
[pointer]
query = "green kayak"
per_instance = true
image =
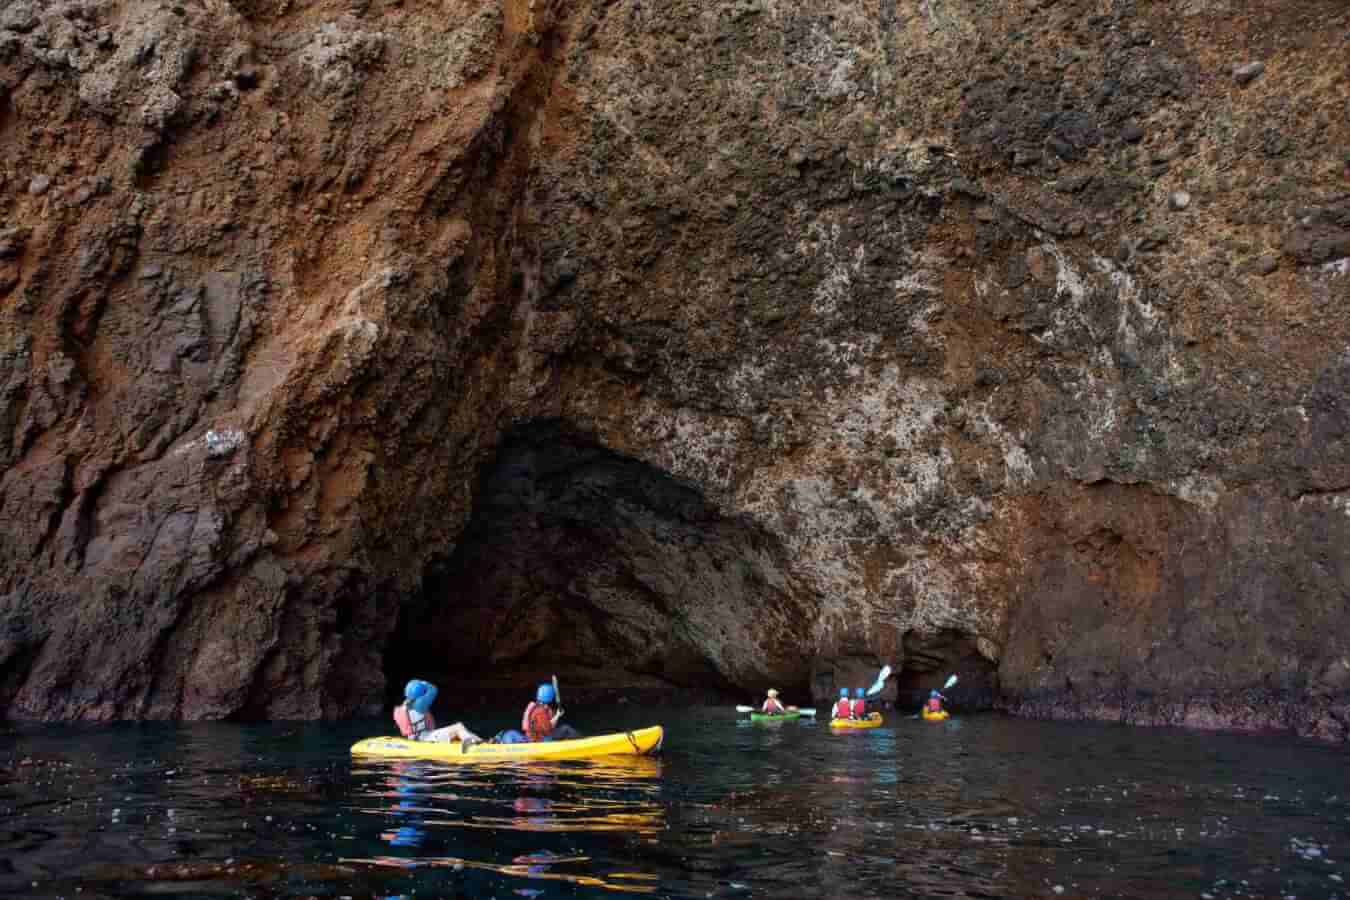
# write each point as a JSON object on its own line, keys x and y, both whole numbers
{"x": 780, "y": 717}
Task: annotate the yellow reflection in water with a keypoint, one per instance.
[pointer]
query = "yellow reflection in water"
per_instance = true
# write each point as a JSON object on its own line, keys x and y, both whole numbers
{"x": 520, "y": 870}
{"x": 607, "y": 768}
{"x": 606, "y": 795}
{"x": 630, "y": 822}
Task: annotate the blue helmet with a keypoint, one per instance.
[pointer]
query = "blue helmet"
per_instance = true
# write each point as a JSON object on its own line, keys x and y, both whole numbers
{"x": 858, "y": 692}
{"x": 544, "y": 694}
{"x": 843, "y": 692}
{"x": 419, "y": 694}
{"x": 934, "y": 694}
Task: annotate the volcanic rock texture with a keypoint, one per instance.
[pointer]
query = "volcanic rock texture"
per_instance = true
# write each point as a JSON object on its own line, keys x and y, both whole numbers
{"x": 700, "y": 343}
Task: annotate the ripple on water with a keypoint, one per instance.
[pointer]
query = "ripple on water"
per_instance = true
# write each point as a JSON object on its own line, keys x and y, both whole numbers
{"x": 978, "y": 807}
{"x": 432, "y": 805}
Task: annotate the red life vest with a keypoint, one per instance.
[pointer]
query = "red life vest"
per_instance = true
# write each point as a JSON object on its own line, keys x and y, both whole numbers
{"x": 842, "y": 709}
{"x": 538, "y": 721}
{"x": 859, "y": 709}
{"x": 935, "y": 704}
{"x": 773, "y": 707}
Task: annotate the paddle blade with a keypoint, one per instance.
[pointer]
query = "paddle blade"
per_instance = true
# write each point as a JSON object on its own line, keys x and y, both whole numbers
{"x": 880, "y": 682}
{"x": 745, "y": 709}
{"x": 557, "y": 694}
{"x": 950, "y": 683}
{"x": 807, "y": 712}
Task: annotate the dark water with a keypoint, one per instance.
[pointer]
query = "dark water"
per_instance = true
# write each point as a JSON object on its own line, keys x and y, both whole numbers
{"x": 976, "y": 807}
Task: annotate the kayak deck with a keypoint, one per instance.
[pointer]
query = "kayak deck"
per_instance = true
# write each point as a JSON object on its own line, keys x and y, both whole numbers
{"x": 641, "y": 742}
{"x": 936, "y": 716}
{"x": 872, "y": 721}
{"x": 766, "y": 717}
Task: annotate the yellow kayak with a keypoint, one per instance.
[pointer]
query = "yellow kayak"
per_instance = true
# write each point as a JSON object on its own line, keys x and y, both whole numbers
{"x": 630, "y": 743}
{"x": 639, "y": 742}
{"x": 872, "y": 721}
{"x": 936, "y": 716}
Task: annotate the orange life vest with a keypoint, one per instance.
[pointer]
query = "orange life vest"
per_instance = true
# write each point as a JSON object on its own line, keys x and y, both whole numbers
{"x": 538, "y": 721}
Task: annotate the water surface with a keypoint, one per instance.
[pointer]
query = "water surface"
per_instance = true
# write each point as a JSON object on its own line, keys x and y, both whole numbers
{"x": 976, "y": 807}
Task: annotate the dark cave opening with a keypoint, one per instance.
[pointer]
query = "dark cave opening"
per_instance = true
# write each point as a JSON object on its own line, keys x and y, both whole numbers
{"x": 929, "y": 658}
{"x": 620, "y": 579}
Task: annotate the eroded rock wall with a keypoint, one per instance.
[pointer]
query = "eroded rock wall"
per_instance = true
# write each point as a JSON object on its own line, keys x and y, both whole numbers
{"x": 1018, "y": 328}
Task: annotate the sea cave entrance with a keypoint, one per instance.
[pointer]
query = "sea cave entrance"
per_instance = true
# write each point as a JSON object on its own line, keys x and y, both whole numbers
{"x": 930, "y": 657}
{"x": 621, "y": 579}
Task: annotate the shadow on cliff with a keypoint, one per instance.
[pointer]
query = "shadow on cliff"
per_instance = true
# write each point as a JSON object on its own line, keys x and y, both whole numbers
{"x": 609, "y": 572}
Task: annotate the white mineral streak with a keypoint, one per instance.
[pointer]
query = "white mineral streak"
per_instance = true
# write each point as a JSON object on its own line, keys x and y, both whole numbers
{"x": 1200, "y": 490}
{"x": 830, "y": 62}
{"x": 1018, "y": 469}
{"x": 1071, "y": 293}
{"x": 841, "y": 266}
{"x": 223, "y": 443}
{"x": 695, "y": 446}
{"x": 216, "y": 443}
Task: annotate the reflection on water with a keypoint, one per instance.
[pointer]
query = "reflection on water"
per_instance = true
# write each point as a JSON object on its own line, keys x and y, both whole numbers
{"x": 980, "y": 807}
{"x": 424, "y": 799}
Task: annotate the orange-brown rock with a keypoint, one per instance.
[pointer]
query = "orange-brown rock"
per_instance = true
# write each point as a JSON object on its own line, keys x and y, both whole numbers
{"x": 705, "y": 345}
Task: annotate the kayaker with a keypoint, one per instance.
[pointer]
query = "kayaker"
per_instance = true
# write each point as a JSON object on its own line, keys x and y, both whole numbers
{"x": 934, "y": 704}
{"x": 843, "y": 709}
{"x": 415, "y": 722}
{"x": 859, "y": 707}
{"x": 771, "y": 706}
{"x": 540, "y": 721}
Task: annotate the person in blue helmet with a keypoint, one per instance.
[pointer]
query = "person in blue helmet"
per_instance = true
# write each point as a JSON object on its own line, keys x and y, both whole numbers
{"x": 540, "y": 721}
{"x": 859, "y": 708}
{"x": 843, "y": 709}
{"x": 415, "y": 722}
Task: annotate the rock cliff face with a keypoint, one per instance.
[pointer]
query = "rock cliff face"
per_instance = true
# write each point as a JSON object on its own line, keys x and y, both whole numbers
{"x": 683, "y": 345}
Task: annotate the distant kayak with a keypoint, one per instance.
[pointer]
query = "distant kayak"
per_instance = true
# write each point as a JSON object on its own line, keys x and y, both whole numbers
{"x": 872, "y": 721}
{"x": 775, "y": 717}
{"x": 628, "y": 743}
{"x": 929, "y": 716}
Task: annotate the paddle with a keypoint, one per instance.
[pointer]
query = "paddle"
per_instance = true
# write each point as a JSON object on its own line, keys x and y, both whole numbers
{"x": 800, "y": 712}
{"x": 880, "y": 682}
{"x": 557, "y": 694}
